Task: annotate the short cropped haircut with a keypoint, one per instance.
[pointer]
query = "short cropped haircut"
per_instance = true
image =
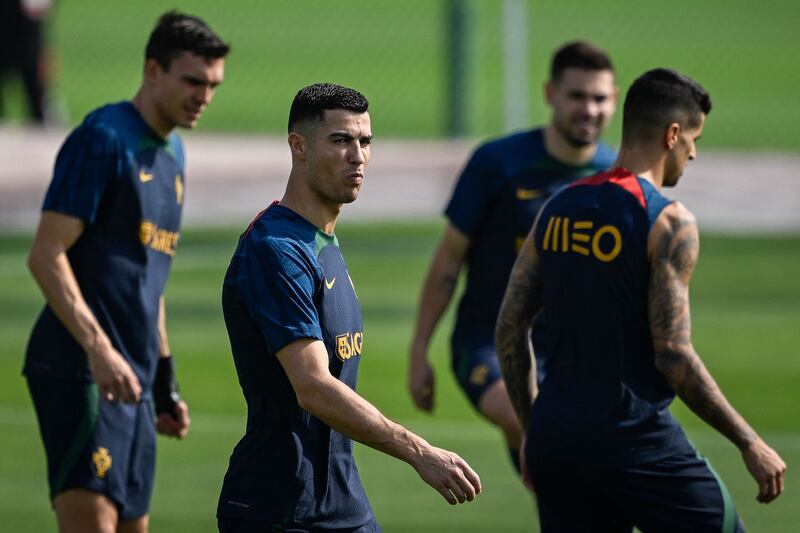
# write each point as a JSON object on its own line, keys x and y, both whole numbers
{"x": 177, "y": 32}
{"x": 579, "y": 54}
{"x": 658, "y": 98}
{"x": 310, "y": 103}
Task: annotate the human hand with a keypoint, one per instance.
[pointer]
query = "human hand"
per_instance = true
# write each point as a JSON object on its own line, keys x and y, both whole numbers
{"x": 767, "y": 468}
{"x": 449, "y": 474}
{"x": 421, "y": 381}
{"x": 175, "y": 424}
{"x": 113, "y": 375}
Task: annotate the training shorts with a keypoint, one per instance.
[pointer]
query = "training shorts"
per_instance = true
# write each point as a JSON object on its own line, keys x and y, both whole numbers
{"x": 475, "y": 364}
{"x": 679, "y": 493}
{"x": 93, "y": 444}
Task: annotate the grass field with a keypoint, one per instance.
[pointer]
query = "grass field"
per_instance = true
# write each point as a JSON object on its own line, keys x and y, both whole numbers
{"x": 744, "y": 52}
{"x": 745, "y": 302}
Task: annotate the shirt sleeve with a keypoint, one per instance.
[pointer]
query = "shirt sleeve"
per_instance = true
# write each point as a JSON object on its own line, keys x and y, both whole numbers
{"x": 472, "y": 193}
{"x": 85, "y": 165}
{"x": 277, "y": 282}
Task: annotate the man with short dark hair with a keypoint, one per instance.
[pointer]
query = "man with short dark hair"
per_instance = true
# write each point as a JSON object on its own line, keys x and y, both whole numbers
{"x": 608, "y": 264}
{"x": 295, "y": 328}
{"x": 492, "y": 208}
{"x": 98, "y": 358}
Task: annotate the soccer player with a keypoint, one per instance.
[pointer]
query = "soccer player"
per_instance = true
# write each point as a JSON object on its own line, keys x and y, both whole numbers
{"x": 491, "y": 211}
{"x": 295, "y": 328}
{"x": 608, "y": 263}
{"x": 98, "y": 358}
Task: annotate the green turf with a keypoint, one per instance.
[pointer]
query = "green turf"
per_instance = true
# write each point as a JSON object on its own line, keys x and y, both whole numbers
{"x": 395, "y": 52}
{"x": 745, "y": 296}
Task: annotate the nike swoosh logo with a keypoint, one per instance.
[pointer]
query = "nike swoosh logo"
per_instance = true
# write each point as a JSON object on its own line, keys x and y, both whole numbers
{"x": 528, "y": 194}
{"x": 330, "y": 283}
{"x": 144, "y": 177}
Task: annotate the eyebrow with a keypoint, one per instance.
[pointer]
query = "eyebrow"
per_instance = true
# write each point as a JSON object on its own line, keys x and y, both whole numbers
{"x": 200, "y": 81}
{"x": 347, "y": 135}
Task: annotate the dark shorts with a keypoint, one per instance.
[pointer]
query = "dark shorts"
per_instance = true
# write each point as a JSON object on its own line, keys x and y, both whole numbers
{"x": 238, "y": 525}
{"x": 474, "y": 362}
{"x": 96, "y": 445}
{"x": 679, "y": 493}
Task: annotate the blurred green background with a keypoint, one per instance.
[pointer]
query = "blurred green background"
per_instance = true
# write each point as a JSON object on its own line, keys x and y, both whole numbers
{"x": 745, "y": 53}
{"x": 745, "y": 317}
{"x": 745, "y": 293}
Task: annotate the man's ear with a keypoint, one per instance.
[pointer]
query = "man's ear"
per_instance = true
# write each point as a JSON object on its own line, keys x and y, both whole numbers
{"x": 152, "y": 69}
{"x": 549, "y": 90}
{"x": 671, "y": 135}
{"x": 297, "y": 145}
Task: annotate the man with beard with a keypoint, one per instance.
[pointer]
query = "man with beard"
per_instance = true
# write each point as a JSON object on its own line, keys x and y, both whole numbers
{"x": 493, "y": 206}
{"x": 609, "y": 263}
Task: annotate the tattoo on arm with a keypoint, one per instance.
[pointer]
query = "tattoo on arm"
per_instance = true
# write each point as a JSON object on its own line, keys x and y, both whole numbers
{"x": 448, "y": 284}
{"x": 673, "y": 260}
{"x": 521, "y": 302}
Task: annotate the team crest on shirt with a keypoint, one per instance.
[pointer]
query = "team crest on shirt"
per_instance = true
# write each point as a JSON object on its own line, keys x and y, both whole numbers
{"x": 349, "y": 345}
{"x": 102, "y": 461}
{"x": 178, "y": 189}
{"x": 479, "y": 375}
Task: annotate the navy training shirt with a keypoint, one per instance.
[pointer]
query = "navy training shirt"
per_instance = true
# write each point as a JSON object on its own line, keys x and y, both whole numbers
{"x": 604, "y": 401}
{"x": 127, "y": 185}
{"x": 495, "y": 203}
{"x": 288, "y": 281}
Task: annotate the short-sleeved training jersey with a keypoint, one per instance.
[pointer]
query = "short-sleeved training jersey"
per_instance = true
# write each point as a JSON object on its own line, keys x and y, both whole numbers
{"x": 603, "y": 400}
{"x": 288, "y": 281}
{"x": 495, "y": 203}
{"x": 127, "y": 185}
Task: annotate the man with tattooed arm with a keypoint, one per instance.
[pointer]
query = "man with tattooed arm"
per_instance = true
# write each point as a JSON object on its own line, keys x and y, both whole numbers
{"x": 608, "y": 263}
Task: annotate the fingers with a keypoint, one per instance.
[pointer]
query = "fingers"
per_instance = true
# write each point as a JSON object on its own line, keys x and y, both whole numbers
{"x": 122, "y": 387}
{"x": 771, "y": 487}
{"x": 423, "y": 398}
{"x": 174, "y": 424}
{"x": 472, "y": 478}
{"x": 523, "y": 470}
{"x": 462, "y": 484}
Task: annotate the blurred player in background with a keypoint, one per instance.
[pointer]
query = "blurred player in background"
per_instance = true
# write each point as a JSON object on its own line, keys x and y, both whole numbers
{"x": 98, "y": 359}
{"x": 608, "y": 264}
{"x": 23, "y": 50}
{"x": 492, "y": 208}
{"x": 297, "y": 339}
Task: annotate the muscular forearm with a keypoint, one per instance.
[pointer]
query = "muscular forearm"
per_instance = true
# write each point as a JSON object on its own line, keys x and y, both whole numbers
{"x": 55, "y": 277}
{"x": 514, "y": 351}
{"x": 691, "y": 381}
{"x": 351, "y": 415}
{"x": 437, "y": 291}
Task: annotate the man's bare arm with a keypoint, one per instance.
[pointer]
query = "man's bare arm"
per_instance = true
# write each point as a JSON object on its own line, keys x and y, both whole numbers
{"x": 437, "y": 291}
{"x": 673, "y": 248}
{"x": 51, "y": 269}
{"x": 337, "y": 405}
{"x": 522, "y": 300}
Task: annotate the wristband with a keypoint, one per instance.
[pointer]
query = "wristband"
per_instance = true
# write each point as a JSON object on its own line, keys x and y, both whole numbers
{"x": 165, "y": 389}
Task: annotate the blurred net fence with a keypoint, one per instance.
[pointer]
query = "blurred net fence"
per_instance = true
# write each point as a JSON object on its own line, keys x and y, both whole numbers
{"x": 400, "y": 55}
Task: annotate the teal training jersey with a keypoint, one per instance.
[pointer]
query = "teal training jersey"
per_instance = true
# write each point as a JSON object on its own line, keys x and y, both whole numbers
{"x": 127, "y": 185}
{"x": 288, "y": 281}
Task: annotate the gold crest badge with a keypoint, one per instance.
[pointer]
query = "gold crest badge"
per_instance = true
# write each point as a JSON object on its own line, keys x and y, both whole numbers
{"x": 479, "y": 375}
{"x": 178, "y": 189}
{"x": 102, "y": 461}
